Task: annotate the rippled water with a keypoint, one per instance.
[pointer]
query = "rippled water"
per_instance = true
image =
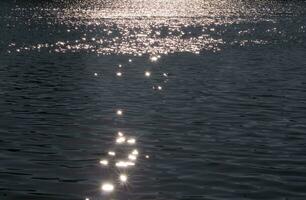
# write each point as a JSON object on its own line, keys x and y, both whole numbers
{"x": 152, "y": 99}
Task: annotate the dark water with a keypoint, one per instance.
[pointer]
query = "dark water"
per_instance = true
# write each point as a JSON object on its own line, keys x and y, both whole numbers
{"x": 221, "y": 116}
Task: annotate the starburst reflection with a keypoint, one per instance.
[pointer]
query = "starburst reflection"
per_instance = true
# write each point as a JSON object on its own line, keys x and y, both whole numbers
{"x": 119, "y": 112}
{"x": 104, "y": 162}
{"x": 131, "y": 141}
{"x": 124, "y": 164}
{"x": 120, "y": 140}
{"x": 119, "y": 73}
{"x": 107, "y": 187}
{"x": 123, "y": 178}
{"x": 154, "y": 58}
{"x": 135, "y": 152}
{"x": 132, "y": 157}
{"x": 147, "y": 74}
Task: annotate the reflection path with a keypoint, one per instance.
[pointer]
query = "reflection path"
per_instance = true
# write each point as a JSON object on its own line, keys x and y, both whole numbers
{"x": 124, "y": 155}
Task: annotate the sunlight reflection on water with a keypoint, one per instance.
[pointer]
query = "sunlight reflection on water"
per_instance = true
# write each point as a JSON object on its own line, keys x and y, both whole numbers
{"x": 144, "y": 27}
{"x": 124, "y": 154}
{"x": 152, "y": 29}
{"x": 109, "y": 186}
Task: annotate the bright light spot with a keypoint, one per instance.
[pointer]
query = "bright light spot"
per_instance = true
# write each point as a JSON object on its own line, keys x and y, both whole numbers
{"x": 120, "y": 134}
{"x": 120, "y": 140}
{"x": 130, "y": 163}
{"x": 165, "y": 74}
{"x": 119, "y": 112}
{"x": 131, "y": 141}
{"x": 135, "y": 152}
{"x": 86, "y": 198}
{"x": 123, "y": 178}
{"x": 107, "y": 187}
{"x": 104, "y": 162}
{"x": 147, "y": 74}
{"x": 147, "y": 156}
{"x": 154, "y": 58}
{"x": 95, "y": 74}
{"x": 119, "y": 73}
{"x": 132, "y": 157}
{"x": 130, "y": 60}
{"x": 124, "y": 164}
{"x": 121, "y": 164}
{"x": 159, "y": 87}
{"x": 119, "y": 65}
{"x": 111, "y": 153}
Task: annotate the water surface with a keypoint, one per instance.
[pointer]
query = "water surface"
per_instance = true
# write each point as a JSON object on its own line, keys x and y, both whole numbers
{"x": 214, "y": 93}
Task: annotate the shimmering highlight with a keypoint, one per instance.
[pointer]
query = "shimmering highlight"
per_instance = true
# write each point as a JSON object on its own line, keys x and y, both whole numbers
{"x": 107, "y": 187}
